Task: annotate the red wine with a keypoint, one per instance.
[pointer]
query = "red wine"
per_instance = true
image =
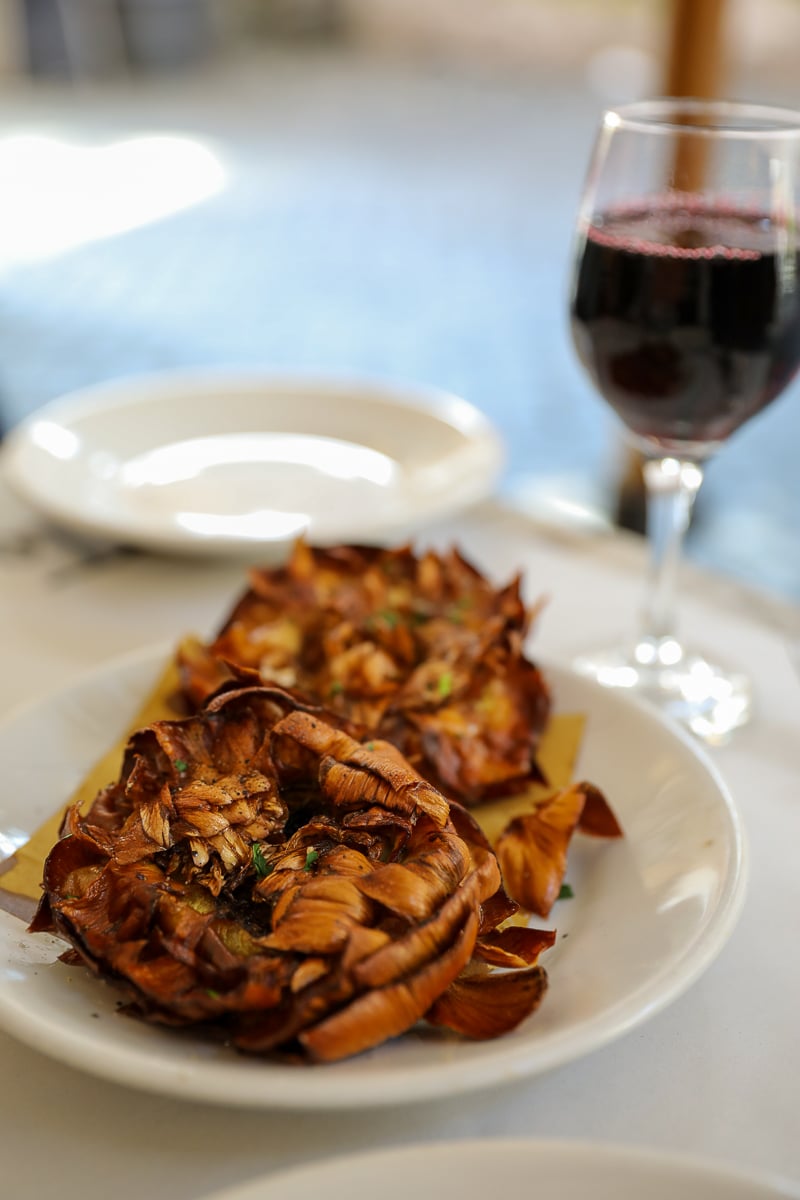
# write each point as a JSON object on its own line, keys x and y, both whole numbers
{"x": 688, "y": 318}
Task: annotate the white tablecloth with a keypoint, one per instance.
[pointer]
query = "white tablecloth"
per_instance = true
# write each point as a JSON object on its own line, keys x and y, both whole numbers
{"x": 717, "y": 1074}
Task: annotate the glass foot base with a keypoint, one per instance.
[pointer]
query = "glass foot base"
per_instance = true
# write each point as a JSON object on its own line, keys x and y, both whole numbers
{"x": 706, "y": 699}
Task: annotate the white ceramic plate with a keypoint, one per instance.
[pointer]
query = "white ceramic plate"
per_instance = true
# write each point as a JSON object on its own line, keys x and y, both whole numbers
{"x": 649, "y": 913}
{"x": 548, "y": 1170}
{"x": 234, "y": 462}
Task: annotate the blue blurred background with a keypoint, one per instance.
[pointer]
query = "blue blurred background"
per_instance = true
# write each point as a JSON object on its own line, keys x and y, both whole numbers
{"x": 378, "y": 185}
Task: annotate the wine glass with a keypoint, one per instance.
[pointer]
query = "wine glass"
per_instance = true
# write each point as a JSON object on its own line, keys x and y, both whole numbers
{"x": 685, "y": 311}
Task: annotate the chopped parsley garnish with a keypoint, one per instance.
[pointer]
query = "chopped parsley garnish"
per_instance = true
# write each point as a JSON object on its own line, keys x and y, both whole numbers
{"x": 263, "y": 868}
{"x": 213, "y": 994}
{"x": 311, "y": 858}
{"x": 180, "y": 764}
{"x": 566, "y": 892}
{"x": 336, "y": 687}
{"x": 370, "y": 745}
{"x": 460, "y": 606}
{"x": 386, "y": 616}
{"x": 444, "y": 685}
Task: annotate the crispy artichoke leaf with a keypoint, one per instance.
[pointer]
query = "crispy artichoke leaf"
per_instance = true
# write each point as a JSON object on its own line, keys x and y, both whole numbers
{"x": 486, "y": 1006}
{"x": 532, "y": 850}
{"x": 597, "y": 816}
{"x": 515, "y": 946}
{"x": 385, "y": 1012}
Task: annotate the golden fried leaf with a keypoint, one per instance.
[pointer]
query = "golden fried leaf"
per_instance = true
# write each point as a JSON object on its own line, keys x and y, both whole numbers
{"x": 486, "y": 1006}
{"x": 532, "y": 850}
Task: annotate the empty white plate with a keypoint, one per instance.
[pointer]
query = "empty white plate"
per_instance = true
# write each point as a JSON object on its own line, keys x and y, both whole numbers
{"x": 232, "y": 462}
{"x": 547, "y": 1170}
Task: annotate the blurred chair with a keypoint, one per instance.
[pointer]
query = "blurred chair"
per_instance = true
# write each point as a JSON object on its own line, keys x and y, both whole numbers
{"x": 13, "y": 53}
{"x": 89, "y": 38}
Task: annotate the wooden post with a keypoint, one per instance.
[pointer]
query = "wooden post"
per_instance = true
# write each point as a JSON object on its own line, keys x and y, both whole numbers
{"x": 695, "y": 65}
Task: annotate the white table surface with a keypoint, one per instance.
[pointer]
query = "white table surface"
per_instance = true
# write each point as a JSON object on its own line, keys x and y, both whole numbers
{"x": 717, "y": 1074}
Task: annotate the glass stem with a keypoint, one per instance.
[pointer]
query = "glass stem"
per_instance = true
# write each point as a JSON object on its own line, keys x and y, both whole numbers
{"x": 672, "y": 485}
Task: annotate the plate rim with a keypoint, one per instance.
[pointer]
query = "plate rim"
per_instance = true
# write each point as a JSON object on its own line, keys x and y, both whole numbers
{"x": 410, "y": 1084}
{"x": 480, "y": 435}
{"x": 536, "y": 1151}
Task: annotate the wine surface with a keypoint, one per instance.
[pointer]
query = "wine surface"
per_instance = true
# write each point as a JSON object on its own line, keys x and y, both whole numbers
{"x": 687, "y": 317}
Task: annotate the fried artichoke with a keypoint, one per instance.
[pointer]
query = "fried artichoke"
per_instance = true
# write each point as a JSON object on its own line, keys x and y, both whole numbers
{"x": 420, "y": 651}
{"x": 258, "y": 872}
